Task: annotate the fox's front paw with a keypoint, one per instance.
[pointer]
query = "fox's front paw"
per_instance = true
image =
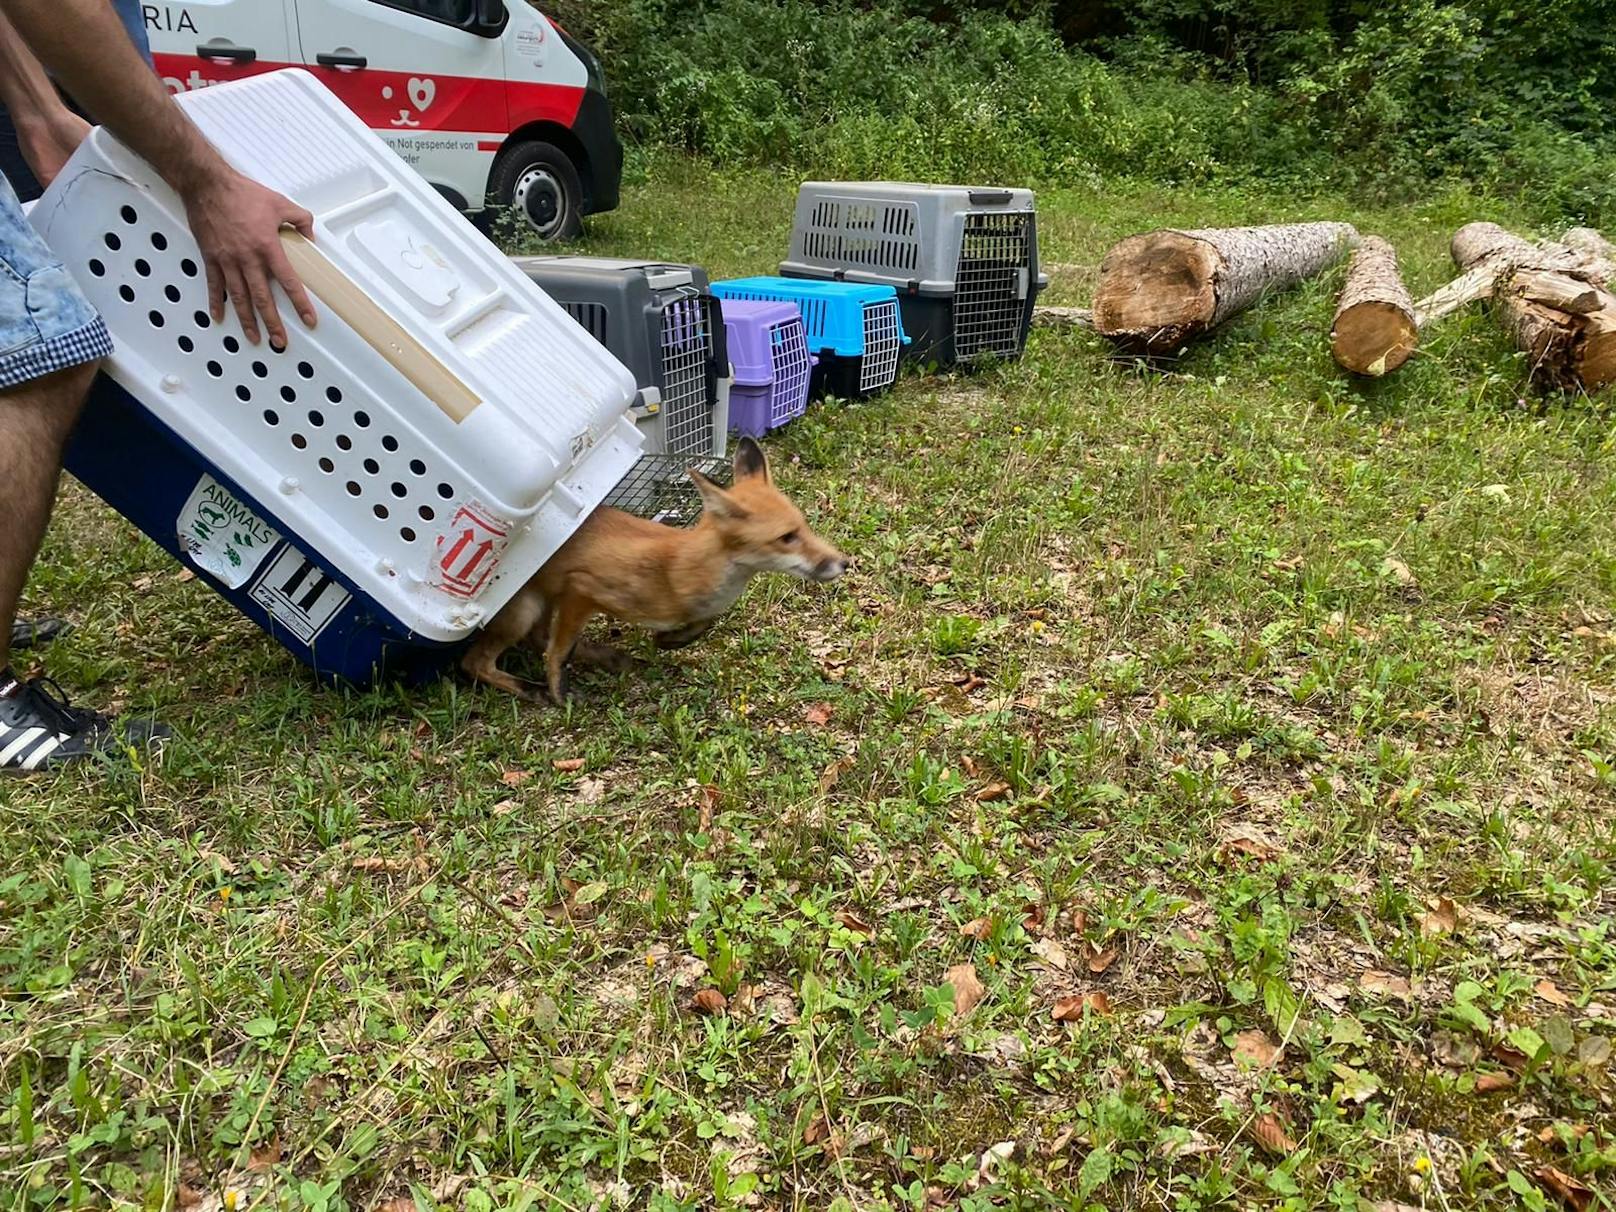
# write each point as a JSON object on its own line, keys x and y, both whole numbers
{"x": 682, "y": 637}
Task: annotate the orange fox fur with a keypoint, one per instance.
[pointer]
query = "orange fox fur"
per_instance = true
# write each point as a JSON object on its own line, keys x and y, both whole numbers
{"x": 677, "y": 582}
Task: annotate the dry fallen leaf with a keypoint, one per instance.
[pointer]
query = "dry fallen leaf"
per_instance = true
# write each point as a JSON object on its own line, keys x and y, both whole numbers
{"x": 1100, "y": 958}
{"x": 189, "y": 1197}
{"x": 710, "y": 1001}
{"x": 591, "y": 791}
{"x": 1270, "y": 1133}
{"x": 1247, "y": 846}
{"x": 978, "y": 928}
{"x": 968, "y": 991}
{"x": 1575, "y": 1195}
{"x": 853, "y": 922}
{"x": 505, "y": 807}
{"x": 399, "y": 1203}
{"x": 1070, "y": 1009}
{"x": 1443, "y": 917}
{"x": 1051, "y": 953}
{"x": 1256, "y": 1048}
{"x": 818, "y": 715}
{"x": 1386, "y": 984}
{"x": 1489, "y": 1083}
{"x": 515, "y": 778}
{"x": 1550, "y": 992}
{"x": 993, "y": 791}
{"x": 568, "y": 765}
{"x": 817, "y": 1130}
{"x": 1395, "y": 568}
{"x": 709, "y": 804}
{"x": 832, "y": 774}
{"x": 968, "y": 765}
{"x": 1032, "y": 917}
{"x": 265, "y": 1156}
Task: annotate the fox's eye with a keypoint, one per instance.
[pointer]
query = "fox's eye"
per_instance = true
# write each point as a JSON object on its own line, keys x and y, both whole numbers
{"x": 789, "y": 538}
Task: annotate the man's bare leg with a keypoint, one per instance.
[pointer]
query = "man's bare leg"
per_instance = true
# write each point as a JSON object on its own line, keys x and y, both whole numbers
{"x": 35, "y": 420}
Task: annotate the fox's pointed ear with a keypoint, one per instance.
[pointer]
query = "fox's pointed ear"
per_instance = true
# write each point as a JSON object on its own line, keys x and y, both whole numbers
{"x": 751, "y": 461}
{"x": 713, "y": 497}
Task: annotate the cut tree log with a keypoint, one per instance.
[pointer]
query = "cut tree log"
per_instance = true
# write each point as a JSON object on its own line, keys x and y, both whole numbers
{"x": 1491, "y": 252}
{"x": 1374, "y": 330}
{"x": 1567, "y": 349}
{"x": 1162, "y": 288}
{"x": 1599, "y": 253}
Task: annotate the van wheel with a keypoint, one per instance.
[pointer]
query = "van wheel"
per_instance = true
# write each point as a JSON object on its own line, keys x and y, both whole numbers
{"x": 540, "y": 185}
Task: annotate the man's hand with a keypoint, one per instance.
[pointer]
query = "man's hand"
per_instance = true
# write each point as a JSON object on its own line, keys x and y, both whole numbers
{"x": 47, "y": 144}
{"x": 237, "y": 224}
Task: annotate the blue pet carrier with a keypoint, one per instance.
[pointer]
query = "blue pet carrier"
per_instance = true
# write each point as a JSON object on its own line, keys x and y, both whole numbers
{"x": 855, "y": 329}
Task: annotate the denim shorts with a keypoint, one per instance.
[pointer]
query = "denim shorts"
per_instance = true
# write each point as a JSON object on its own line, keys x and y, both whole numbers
{"x": 46, "y": 323}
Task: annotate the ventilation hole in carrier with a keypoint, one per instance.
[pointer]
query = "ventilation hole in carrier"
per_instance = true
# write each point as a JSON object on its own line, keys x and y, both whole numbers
{"x": 418, "y": 467}
{"x": 112, "y": 241}
{"x": 271, "y": 417}
{"x": 231, "y": 345}
{"x": 128, "y": 215}
{"x": 243, "y": 392}
{"x": 362, "y": 419}
{"x": 334, "y": 395}
{"x": 97, "y": 268}
{"x": 259, "y": 369}
{"x": 316, "y": 419}
{"x": 327, "y": 466}
{"x": 304, "y": 369}
{"x": 405, "y": 533}
{"x": 159, "y": 241}
{"x": 426, "y": 513}
{"x": 289, "y": 395}
{"x": 215, "y": 369}
{"x": 203, "y": 320}
{"x": 299, "y": 441}
{"x": 353, "y": 489}
{"x": 188, "y": 267}
{"x": 143, "y": 267}
{"x": 399, "y": 490}
{"x": 389, "y": 443}
{"x": 372, "y": 467}
{"x": 186, "y": 344}
{"x": 380, "y": 511}
{"x": 171, "y": 293}
{"x": 344, "y": 442}
{"x": 445, "y": 491}
{"x": 126, "y": 292}
{"x": 156, "y": 318}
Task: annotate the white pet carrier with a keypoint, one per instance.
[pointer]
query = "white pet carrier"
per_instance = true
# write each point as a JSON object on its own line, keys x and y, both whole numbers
{"x": 420, "y": 453}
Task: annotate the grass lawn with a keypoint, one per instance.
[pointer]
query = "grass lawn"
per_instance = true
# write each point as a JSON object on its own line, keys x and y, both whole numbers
{"x": 1257, "y": 721}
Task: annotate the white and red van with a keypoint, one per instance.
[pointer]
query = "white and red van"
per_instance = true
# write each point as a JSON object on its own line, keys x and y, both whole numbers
{"x": 492, "y": 102}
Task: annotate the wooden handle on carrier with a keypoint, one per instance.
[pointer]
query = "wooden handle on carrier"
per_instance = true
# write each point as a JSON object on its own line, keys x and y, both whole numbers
{"x": 384, "y": 334}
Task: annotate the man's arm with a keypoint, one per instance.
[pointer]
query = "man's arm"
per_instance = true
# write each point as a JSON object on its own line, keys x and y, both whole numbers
{"x": 47, "y": 131}
{"x": 236, "y": 222}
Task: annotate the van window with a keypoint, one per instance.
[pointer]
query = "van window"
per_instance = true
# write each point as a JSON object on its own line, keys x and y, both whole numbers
{"x": 454, "y": 12}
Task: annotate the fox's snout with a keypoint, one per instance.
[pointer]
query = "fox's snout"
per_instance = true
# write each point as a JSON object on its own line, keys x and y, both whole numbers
{"x": 831, "y": 567}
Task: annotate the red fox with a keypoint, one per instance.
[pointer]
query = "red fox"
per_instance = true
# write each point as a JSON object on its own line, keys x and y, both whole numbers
{"x": 676, "y": 582}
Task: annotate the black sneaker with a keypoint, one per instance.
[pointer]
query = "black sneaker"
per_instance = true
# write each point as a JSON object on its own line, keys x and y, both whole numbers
{"x": 26, "y": 633}
{"x": 41, "y": 730}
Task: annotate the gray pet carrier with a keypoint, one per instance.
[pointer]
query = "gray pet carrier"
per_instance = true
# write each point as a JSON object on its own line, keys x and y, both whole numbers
{"x": 963, "y": 259}
{"x": 661, "y": 321}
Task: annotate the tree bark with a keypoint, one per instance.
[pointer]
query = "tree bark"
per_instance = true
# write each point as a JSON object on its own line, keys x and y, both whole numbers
{"x": 1374, "y": 330}
{"x": 1598, "y": 252}
{"x": 1566, "y": 349}
{"x": 1162, "y": 288}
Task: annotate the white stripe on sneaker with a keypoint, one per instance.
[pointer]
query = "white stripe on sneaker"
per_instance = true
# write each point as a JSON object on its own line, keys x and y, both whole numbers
{"x": 22, "y": 742}
{"x": 32, "y": 761}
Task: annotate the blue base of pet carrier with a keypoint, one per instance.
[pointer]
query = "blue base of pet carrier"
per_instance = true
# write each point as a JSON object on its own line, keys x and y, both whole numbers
{"x": 137, "y": 465}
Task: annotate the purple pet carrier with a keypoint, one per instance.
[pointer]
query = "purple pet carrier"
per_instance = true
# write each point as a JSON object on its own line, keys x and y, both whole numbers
{"x": 769, "y": 351}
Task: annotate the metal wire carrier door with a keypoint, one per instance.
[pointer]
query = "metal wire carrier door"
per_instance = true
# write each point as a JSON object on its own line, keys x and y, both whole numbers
{"x": 991, "y": 283}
